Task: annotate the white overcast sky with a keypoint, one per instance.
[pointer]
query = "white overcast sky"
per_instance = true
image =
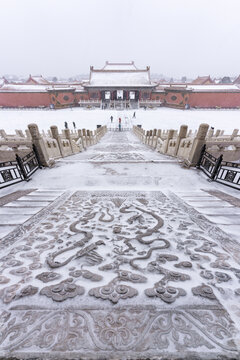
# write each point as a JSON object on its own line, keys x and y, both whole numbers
{"x": 174, "y": 37}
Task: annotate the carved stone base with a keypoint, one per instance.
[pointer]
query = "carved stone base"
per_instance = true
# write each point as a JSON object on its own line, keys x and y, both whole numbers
{"x": 194, "y": 332}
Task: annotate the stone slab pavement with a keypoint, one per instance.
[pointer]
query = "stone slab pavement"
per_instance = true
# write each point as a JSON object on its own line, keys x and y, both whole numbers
{"x": 125, "y": 270}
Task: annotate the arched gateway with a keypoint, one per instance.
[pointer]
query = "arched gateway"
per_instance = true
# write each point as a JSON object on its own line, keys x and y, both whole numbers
{"x": 119, "y": 85}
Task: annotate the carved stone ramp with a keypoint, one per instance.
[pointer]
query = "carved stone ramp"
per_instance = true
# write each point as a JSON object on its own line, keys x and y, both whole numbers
{"x": 119, "y": 275}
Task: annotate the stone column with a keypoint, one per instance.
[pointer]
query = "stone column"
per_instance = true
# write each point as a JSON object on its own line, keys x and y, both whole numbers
{"x": 197, "y": 145}
{"x": 56, "y": 136}
{"x": 37, "y": 140}
{"x": 217, "y": 133}
{"x": 166, "y": 142}
{"x": 182, "y": 134}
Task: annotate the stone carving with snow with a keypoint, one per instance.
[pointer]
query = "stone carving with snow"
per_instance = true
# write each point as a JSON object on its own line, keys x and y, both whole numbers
{"x": 64, "y": 290}
{"x": 166, "y": 293}
{"x": 113, "y": 292}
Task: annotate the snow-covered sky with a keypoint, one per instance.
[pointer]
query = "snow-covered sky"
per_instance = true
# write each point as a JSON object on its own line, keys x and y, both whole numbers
{"x": 174, "y": 37}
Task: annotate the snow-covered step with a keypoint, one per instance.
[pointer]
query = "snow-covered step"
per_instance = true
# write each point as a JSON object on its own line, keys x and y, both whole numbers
{"x": 15, "y": 210}
{"x": 22, "y": 204}
{"x": 216, "y": 210}
{"x": 6, "y": 229}
{"x": 18, "y": 211}
{"x": 13, "y": 220}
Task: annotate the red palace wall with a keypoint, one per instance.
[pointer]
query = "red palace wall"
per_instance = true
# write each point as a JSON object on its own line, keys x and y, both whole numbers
{"x": 81, "y": 96}
{"x": 213, "y": 100}
{"x": 158, "y": 96}
{"x": 176, "y": 99}
{"x": 17, "y": 99}
{"x": 62, "y": 98}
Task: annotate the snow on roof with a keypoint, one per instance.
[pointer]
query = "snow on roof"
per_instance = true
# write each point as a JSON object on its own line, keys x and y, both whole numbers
{"x": 120, "y": 78}
{"x": 201, "y": 80}
{"x": 237, "y": 80}
{"x": 204, "y": 88}
{"x": 111, "y": 78}
{"x": 219, "y": 87}
{"x": 60, "y": 87}
{"x": 120, "y": 66}
{"x": 23, "y": 88}
{"x": 33, "y": 88}
{"x": 118, "y": 75}
{"x": 38, "y": 79}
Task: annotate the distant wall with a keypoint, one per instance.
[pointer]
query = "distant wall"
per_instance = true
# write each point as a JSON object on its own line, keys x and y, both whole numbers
{"x": 158, "y": 96}
{"x": 214, "y": 99}
{"x": 81, "y": 96}
{"x": 59, "y": 98}
{"x": 176, "y": 98}
{"x": 27, "y": 99}
{"x": 172, "y": 98}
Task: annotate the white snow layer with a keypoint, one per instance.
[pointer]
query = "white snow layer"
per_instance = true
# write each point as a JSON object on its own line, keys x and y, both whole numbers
{"x": 163, "y": 118}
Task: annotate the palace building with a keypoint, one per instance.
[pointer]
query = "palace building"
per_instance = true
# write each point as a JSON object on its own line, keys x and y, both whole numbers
{"x": 119, "y": 83}
{"x": 119, "y": 86}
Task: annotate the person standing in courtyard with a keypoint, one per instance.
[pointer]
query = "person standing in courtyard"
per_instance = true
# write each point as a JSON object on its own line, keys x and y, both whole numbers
{"x": 74, "y": 125}
{"x": 134, "y": 115}
{"x": 111, "y": 117}
{"x": 66, "y": 125}
{"x": 119, "y": 124}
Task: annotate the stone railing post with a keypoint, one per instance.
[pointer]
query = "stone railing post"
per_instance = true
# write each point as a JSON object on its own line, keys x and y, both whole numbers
{"x": 57, "y": 137}
{"x": 182, "y": 134}
{"x": 28, "y": 134}
{"x": 3, "y": 134}
{"x": 197, "y": 145}
{"x": 147, "y": 136}
{"x": 234, "y": 134}
{"x": 80, "y": 135}
{"x": 169, "y": 137}
{"x": 217, "y": 133}
{"x": 67, "y": 135}
{"x": 85, "y": 137}
{"x": 210, "y": 133}
{"x": 19, "y": 133}
{"x": 150, "y": 137}
{"x": 153, "y": 137}
{"x": 95, "y": 136}
{"x": 40, "y": 147}
{"x": 89, "y": 138}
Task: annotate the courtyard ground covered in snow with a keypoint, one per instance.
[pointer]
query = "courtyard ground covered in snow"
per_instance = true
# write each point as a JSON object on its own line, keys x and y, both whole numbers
{"x": 120, "y": 252}
{"x": 163, "y": 118}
